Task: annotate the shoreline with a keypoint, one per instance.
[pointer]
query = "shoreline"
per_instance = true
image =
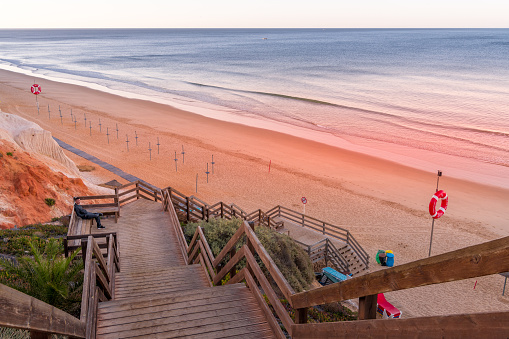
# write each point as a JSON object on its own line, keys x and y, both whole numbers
{"x": 420, "y": 159}
{"x": 383, "y": 204}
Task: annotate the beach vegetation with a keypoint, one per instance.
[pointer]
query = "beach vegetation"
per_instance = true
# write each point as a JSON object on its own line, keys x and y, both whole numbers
{"x": 9, "y": 154}
{"x": 292, "y": 261}
{"x": 15, "y": 242}
{"x": 46, "y": 275}
{"x": 49, "y": 201}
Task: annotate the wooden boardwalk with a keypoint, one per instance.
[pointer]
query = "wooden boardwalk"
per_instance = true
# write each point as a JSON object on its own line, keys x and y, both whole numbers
{"x": 158, "y": 296}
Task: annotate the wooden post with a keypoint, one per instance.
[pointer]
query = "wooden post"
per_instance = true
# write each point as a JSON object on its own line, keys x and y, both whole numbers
{"x": 187, "y": 208}
{"x": 222, "y": 210}
{"x": 301, "y": 315}
{"x": 303, "y": 219}
{"x": 249, "y": 244}
{"x": 66, "y": 249}
{"x": 367, "y": 307}
{"x": 323, "y": 228}
{"x": 234, "y": 268}
{"x": 137, "y": 191}
{"x": 259, "y": 217}
{"x": 326, "y": 250}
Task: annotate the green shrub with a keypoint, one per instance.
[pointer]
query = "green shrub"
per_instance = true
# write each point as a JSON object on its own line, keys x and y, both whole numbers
{"x": 49, "y": 201}
{"x": 15, "y": 241}
{"x": 47, "y": 275}
{"x": 9, "y": 154}
{"x": 292, "y": 261}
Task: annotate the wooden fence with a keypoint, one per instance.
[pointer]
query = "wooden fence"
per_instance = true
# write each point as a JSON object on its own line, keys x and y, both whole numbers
{"x": 325, "y": 250}
{"x": 193, "y": 209}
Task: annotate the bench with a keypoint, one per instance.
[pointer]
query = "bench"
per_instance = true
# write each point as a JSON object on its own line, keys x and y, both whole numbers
{"x": 105, "y": 210}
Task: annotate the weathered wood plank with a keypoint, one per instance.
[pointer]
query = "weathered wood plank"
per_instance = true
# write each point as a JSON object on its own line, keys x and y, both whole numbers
{"x": 480, "y": 325}
{"x": 177, "y": 309}
{"x": 186, "y": 315}
{"x": 475, "y": 261}
{"x": 19, "y": 310}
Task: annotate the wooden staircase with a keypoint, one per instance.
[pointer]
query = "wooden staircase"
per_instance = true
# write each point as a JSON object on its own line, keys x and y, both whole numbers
{"x": 157, "y": 295}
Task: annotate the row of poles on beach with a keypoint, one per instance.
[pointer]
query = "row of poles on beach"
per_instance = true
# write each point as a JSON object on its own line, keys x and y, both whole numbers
{"x": 74, "y": 119}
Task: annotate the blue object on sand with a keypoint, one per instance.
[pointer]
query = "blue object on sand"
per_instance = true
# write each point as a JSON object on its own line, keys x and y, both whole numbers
{"x": 334, "y": 275}
{"x": 390, "y": 259}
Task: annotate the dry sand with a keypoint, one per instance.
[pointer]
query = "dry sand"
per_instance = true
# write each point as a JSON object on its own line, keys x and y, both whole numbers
{"x": 382, "y": 203}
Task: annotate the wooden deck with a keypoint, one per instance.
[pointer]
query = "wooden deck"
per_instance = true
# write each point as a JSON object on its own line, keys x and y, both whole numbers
{"x": 158, "y": 296}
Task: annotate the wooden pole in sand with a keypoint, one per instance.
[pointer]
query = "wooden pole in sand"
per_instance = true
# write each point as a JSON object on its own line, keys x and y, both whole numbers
{"x": 117, "y": 131}
{"x": 75, "y": 121}
{"x": 158, "y": 145}
{"x": 100, "y": 128}
{"x": 136, "y": 137}
{"x": 212, "y": 163}
{"x": 61, "y": 121}
{"x": 175, "y": 161}
{"x": 207, "y": 172}
{"x": 90, "y": 124}
{"x": 150, "y": 150}
{"x": 85, "y": 115}
{"x": 183, "y": 153}
{"x": 439, "y": 174}
{"x": 49, "y": 113}
{"x": 127, "y": 142}
{"x": 108, "y": 134}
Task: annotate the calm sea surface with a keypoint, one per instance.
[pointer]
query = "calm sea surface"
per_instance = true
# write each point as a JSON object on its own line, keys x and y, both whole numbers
{"x": 429, "y": 97}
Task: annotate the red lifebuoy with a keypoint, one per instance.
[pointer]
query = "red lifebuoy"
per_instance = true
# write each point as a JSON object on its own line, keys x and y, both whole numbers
{"x": 36, "y": 89}
{"x": 443, "y": 205}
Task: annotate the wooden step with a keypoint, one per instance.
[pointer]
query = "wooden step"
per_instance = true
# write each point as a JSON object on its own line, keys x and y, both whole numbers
{"x": 216, "y": 312}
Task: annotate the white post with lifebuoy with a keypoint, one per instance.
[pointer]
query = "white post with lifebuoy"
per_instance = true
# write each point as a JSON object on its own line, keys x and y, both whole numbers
{"x": 433, "y": 211}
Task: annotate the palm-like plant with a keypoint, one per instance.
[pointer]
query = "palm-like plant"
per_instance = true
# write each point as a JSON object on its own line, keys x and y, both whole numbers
{"x": 48, "y": 276}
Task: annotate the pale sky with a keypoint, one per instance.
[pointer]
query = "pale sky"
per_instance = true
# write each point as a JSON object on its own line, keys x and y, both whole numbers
{"x": 253, "y": 14}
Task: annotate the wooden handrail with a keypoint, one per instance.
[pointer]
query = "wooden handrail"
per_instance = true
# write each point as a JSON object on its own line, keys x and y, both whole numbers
{"x": 477, "y": 325}
{"x": 18, "y": 310}
{"x": 470, "y": 262}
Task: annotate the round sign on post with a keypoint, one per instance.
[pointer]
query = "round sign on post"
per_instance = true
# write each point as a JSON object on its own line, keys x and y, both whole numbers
{"x": 304, "y": 202}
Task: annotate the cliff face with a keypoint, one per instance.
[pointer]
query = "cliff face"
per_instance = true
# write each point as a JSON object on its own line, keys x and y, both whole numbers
{"x": 32, "y": 168}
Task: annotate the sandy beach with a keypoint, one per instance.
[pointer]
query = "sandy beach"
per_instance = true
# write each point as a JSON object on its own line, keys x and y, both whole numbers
{"x": 382, "y": 203}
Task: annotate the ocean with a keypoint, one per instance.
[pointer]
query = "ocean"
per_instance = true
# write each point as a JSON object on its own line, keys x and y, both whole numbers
{"x": 428, "y": 98}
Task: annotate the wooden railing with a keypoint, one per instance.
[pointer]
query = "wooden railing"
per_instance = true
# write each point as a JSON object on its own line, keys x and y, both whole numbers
{"x": 325, "y": 250}
{"x": 18, "y": 310}
{"x": 136, "y": 190}
{"x": 323, "y": 227}
{"x": 470, "y": 262}
{"x": 475, "y": 261}
{"x": 199, "y": 251}
{"x": 193, "y": 209}
{"x": 21, "y": 311}
{"x": 99, "y": 279}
